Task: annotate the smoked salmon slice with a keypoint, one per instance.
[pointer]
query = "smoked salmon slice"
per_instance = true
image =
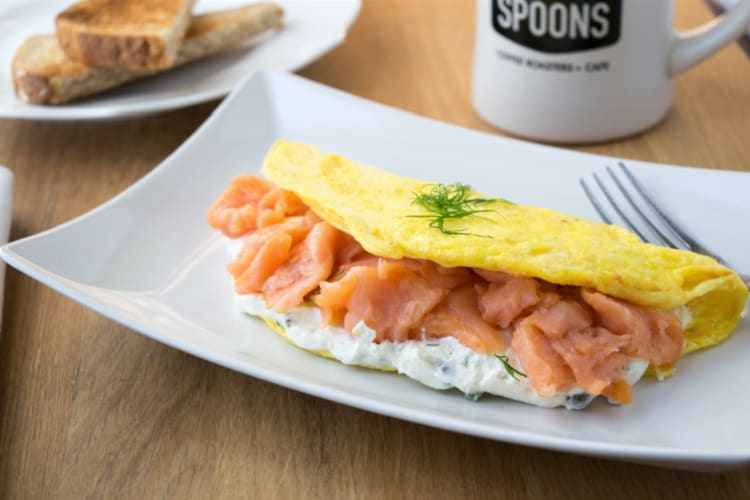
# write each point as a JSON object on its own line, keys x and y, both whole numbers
{"x": 654, "y": 335}
{"x": 249, "y": 203}
{"x": 391, "y": 298}
{"x": 310, "y": 262}
{"x": 458, "y": 316}
{"x": 502, "y": 302}
{"x": 264, "y": 250}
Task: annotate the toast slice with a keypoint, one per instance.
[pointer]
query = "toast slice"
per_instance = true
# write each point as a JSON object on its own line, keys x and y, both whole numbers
{"x": 132, "y": 34}
{"x": 43, "y": 74}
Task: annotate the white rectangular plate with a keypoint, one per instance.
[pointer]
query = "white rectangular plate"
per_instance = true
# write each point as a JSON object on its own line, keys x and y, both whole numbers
{"x": 148, "y": 260}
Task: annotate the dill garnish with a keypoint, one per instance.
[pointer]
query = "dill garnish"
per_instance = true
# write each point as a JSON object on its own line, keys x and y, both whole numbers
{"x": 447, "y": 202}
{"x": 310, "y": 299}
{"x": 509, "y": 368}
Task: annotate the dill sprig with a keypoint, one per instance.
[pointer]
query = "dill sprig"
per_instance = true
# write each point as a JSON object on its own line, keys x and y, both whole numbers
{"x": 509, "y": 368}
{"x": 310, "y": 299}
{"x": 448, "y": 202}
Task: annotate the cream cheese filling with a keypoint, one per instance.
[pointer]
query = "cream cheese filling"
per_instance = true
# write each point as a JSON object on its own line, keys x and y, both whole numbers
{"x": 438, "y": 363}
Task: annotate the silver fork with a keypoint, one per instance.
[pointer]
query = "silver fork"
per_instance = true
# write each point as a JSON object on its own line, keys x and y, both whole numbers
{"x": 665, "y": 231}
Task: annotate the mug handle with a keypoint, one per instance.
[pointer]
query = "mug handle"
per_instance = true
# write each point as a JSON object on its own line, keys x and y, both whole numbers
{"x": 693, "y": 46}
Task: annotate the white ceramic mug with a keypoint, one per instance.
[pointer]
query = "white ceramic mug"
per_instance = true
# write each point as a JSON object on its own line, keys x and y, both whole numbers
{"x": 585, "y": 70}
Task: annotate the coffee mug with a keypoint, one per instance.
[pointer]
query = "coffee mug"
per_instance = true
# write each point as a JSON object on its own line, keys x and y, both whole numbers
{"x": 572, "y": 71}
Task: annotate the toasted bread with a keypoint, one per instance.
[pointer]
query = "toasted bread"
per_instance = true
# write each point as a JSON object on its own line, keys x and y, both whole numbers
{"x": 131, "y": 34}
{"x": 43, "y": 74}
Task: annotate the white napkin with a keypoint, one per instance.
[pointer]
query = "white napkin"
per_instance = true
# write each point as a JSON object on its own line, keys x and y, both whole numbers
{"x": 6, "y": 201}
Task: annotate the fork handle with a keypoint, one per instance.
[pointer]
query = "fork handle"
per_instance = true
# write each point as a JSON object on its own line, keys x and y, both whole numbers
{"x": 689, "y": 50}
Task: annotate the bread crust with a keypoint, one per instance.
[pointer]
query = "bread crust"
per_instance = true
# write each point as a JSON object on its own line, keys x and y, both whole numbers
{"x": 131, "y": 34}
{"x": 44, "y": 74}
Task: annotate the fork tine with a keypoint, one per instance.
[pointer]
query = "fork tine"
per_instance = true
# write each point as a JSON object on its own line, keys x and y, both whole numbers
{"x": 678, "y": 233}
{"x": 617, "y": 208}
{"x": 595, "y": 202}
{"x": 668, "y": 224}
{"x": 666, "y": 240}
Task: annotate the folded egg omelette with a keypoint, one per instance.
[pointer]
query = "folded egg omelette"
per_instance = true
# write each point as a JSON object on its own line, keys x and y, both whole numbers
{"x": 560, "y": 252}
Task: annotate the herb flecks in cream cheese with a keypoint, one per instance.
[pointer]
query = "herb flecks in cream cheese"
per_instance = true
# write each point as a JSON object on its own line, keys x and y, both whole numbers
{"x": 442, "y": 363}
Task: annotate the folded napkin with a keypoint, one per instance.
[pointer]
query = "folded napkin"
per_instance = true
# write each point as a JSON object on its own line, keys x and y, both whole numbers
{"x": 6, "y": 200}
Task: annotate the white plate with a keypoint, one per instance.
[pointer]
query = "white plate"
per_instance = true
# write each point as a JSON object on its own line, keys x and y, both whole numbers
{"x": 148, "y": 260}
{"x": 313, "y": 27}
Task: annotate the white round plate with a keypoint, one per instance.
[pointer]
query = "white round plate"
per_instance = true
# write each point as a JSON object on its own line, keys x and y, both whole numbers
{"x": 312, "y": 28}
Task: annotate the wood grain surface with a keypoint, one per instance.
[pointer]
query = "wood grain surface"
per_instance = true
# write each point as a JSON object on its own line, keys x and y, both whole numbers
{"x": 90, "y": 409}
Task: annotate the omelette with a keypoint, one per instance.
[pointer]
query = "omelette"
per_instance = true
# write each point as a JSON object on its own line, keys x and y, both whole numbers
{"x": 456, "y": 289}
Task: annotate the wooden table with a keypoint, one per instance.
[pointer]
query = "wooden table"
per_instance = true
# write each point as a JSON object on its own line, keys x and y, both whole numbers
{"x": 90, "y": 409}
